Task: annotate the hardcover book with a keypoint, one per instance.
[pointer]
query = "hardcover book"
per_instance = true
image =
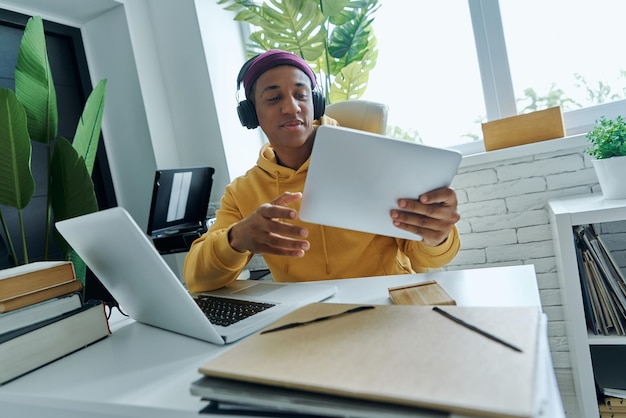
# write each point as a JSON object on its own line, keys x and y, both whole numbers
{"x": 17, "y": 302}
{"x": 26, "y": 349}
{"x": 27, "y": 278}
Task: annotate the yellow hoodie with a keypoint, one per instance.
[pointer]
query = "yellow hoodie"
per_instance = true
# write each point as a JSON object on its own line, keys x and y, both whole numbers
{"x": 334, "y": 253}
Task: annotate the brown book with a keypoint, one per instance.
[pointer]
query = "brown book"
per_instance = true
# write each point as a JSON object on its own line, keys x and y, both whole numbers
{"x": 27, "y": 278}
{"x": 427, "y": 293}
{"x": 17, "y": 302}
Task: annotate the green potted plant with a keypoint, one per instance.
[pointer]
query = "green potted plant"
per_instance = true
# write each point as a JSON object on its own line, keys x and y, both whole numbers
{"x": 30, "y": 114}
{"x": 334, "y": 36}
{"x": 607, "y": 149}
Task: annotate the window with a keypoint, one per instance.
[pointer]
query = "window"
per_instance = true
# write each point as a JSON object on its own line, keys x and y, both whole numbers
{"x": 452, "y": 72}
{"x": 427, "y": 71}
{"x": 569, "y": 51}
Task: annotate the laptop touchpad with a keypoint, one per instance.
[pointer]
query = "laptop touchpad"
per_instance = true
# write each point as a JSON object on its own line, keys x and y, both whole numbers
{"x": 258, "y": 289}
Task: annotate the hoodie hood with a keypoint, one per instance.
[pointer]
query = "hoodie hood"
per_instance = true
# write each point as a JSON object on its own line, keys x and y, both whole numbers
{"x": 286, "y": 176}
{"x": 267, "y": 158}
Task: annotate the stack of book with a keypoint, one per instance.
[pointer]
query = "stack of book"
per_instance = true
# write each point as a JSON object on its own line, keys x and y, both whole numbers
{"x": 43, "y": 317}
{"x": 325, "y": 359}
{"x": 603, "y": 283}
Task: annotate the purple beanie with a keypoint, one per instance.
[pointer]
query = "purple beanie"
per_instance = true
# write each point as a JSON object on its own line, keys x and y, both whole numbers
{"x": 271, "y": 59}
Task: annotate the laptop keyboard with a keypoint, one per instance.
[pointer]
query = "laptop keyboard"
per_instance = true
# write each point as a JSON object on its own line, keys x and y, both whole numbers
{"x": 225, "y": 312}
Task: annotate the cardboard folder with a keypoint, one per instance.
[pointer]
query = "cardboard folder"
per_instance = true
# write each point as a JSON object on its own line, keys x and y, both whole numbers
{"x": 405, "y": 355}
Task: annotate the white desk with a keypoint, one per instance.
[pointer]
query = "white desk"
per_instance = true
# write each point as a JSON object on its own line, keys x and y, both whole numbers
{"x": 141, "y": 371}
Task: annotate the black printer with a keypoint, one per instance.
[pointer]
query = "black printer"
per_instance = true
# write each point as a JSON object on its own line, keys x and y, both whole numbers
{"x": 178, "y": 212}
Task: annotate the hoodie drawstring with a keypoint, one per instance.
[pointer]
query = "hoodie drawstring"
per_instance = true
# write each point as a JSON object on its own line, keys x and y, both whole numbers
{"x": 277, "y": 182}
{"x": 325, "y": 249}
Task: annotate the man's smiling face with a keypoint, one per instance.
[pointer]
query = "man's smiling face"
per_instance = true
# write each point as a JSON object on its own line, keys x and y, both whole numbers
{"x": 284, "y": 106}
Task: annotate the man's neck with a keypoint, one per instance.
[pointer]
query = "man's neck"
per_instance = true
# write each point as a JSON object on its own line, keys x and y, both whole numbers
{"x": 293, "y": 158}
{"x": 293, "y": 163}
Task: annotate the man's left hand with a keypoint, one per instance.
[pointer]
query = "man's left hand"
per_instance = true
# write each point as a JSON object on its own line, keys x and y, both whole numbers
{"x": 432, "y": 216}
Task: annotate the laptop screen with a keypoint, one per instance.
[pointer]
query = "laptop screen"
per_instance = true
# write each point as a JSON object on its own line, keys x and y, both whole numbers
{"x": 180, "y": 199}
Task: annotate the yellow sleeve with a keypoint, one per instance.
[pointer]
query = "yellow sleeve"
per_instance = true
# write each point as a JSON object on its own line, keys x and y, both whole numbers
{"x": 424, "y": 257}
{"x": 211, "y": 262}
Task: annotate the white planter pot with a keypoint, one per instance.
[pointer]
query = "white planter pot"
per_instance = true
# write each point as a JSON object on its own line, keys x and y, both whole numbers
{"x": 612, "y": 176}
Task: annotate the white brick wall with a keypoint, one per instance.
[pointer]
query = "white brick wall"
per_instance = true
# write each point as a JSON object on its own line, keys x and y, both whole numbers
{"x": 504, "y": 221}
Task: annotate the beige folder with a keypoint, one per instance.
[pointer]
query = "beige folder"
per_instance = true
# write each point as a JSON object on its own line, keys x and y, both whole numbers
{"x": 408, "y": 355}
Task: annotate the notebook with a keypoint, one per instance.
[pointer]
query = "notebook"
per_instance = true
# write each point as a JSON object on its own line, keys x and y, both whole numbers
{"x": 126, "y": 262}
{"x": 404, "y": 355}
{"x": 355, "y": 178}
{"x": 180, "y": 201}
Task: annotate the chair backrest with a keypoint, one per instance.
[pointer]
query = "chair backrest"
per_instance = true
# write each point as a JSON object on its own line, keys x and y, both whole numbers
{"x": 360, "y": 114}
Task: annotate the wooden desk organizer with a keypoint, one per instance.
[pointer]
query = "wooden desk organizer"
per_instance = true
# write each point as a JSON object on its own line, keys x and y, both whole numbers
{"x": 427, "y": 293}
{"x": 523, "y": 129}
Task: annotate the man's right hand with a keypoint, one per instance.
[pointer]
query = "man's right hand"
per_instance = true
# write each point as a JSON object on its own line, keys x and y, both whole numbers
{"x": 264, "y": 231}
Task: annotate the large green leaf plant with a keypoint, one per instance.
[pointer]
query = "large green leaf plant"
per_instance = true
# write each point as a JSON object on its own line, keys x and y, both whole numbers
{"x": 30, "y": 114}
{"x": 335, "y": 37}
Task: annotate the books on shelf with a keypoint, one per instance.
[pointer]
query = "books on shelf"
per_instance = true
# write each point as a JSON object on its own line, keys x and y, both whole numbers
{"x": 602, "y": 282}
{"x": 612, "y": 406}
{"x": 38, "y": 312}
{"x": 609, "y": 369}
{"x": 27, "y": 278}
{"x": 28, "y": 348}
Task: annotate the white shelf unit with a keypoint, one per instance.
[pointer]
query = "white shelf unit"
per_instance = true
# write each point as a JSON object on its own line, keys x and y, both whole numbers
{"x": 564, "y": 215}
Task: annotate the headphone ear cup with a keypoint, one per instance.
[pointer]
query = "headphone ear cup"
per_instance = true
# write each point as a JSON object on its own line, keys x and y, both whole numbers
{"x": 247, "y": 114}
{"x": 319, "y": 104}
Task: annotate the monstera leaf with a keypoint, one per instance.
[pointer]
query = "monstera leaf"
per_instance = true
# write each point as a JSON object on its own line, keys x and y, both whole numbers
{"x": 292, "y": 25}
{"x": 334, "y": 36}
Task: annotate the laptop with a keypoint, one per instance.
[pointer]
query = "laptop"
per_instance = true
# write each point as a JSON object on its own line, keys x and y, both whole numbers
{"x": 355, "y": 178}
{"x": 124, "y": 259}
{"x": 178, "y": 211}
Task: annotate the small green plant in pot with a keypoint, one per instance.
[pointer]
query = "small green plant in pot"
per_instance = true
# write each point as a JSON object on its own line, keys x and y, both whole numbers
{"x": 607, "y": 149}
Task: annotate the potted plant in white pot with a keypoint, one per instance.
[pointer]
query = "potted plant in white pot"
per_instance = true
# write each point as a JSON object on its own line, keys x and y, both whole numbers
{"x": 607, "y": 149}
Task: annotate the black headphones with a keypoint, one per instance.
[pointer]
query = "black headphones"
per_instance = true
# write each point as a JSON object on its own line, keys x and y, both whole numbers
{"x": 247, "y": 112}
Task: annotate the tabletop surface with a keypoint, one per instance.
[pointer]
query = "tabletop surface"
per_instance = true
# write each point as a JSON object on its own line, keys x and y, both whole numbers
{"x": 142, "y": 371}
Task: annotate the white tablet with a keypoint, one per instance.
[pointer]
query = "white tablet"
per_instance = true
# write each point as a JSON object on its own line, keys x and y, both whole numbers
{"x": 355, "y": 178}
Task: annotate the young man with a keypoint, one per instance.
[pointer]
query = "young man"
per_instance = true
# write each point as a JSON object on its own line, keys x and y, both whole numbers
{"x": 259, "y": 211}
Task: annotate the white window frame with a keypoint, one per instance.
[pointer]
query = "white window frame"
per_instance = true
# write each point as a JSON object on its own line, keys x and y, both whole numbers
{"x": 497, "y": 83}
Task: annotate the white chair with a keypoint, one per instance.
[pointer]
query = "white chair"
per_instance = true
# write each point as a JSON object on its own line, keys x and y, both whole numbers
{"x": 360, "y": 114}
